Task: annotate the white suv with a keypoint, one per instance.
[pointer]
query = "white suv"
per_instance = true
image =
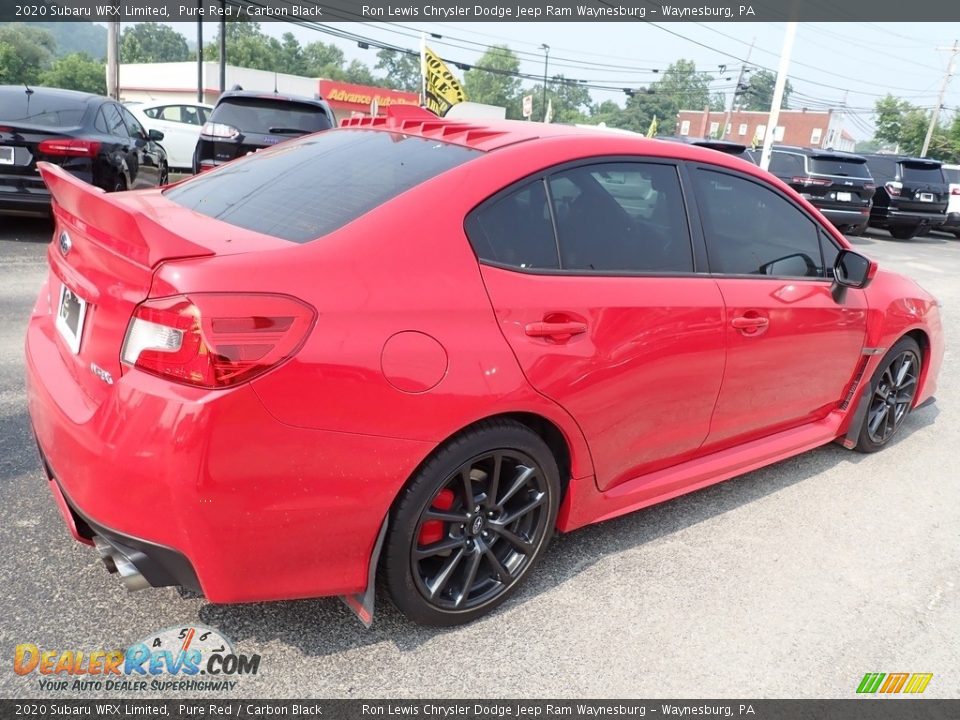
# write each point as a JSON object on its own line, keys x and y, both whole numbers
{"x": 180, "y": 123}
{"x": 952, "y": 175}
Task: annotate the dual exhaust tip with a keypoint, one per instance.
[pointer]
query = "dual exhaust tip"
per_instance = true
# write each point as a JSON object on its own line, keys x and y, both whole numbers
{"x": 122, "y": 562}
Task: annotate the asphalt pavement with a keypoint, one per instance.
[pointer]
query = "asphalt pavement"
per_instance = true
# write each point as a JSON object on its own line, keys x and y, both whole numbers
{"x": 791, "y": 581}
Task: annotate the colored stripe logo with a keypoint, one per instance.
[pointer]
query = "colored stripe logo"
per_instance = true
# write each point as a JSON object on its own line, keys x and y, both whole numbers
{"x": 910, "y": 683}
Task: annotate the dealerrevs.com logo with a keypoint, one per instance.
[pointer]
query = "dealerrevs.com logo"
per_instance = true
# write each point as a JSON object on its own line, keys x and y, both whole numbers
{"x": 180, "y": 659}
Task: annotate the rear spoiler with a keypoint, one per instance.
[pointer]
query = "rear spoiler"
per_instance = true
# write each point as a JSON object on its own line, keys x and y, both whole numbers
{"x": 117, "y": 225}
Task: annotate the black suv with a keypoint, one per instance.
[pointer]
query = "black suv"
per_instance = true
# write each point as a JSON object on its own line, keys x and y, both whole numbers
{"x": 725, "y": 146}
{"x": 244, "y": 122}
{"x": 911, "y": 197}
{"x": 838, "y": 184}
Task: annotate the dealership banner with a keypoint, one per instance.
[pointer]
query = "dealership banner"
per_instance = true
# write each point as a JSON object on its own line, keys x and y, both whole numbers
{"x": 443, "y": 90}
{"x": 484, "y": 709}
{"x": 332, "y": 11}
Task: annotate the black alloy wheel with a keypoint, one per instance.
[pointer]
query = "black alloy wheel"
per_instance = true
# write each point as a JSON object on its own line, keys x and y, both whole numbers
{"x": 892, "y": 392}
{"x": 472, "y": 523}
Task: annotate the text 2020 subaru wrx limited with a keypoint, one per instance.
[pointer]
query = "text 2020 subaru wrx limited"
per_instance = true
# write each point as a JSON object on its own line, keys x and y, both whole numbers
{"x": 412, "y": 348}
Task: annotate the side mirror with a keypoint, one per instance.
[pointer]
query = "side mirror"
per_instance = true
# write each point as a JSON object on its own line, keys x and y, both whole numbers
{"x": 155, "y": 135}
{"x": 853, "y": 269}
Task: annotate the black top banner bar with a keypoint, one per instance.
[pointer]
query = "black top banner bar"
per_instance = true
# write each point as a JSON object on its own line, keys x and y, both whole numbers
{"x": 338, "y": 11}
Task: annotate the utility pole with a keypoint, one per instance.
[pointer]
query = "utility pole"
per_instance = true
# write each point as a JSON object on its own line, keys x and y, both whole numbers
{"x": 546, "y": 61}
{"x": 113, "y": 59}
{"x": 223, "y": 45}
{"x": 935, "y": 118}
{"x": 736, "y": 90}
{"x": 774, "y": 116}
{"x": 199, "y": 52}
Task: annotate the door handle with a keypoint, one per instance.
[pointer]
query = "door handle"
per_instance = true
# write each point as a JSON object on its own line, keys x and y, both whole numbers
{"x": 750, "y": 324}
{"x": 555, "y": 329}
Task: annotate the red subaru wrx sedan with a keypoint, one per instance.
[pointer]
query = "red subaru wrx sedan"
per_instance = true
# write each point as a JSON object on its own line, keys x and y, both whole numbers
{"x": 413, "y": 348}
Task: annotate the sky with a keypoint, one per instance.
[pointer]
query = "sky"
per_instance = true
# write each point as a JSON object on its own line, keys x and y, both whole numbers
{"x": 830, "y": 63}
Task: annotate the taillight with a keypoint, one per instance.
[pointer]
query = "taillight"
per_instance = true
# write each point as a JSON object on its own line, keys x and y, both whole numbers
{"x": 219, "y": 130}
{"x": 72, "y": 147}
{"x": 955, "y": 190}
{"x": 893, "y": 188}
{"x": 809, "y": 181}
{"x": 215, "y": 340}
{"x": 870, "y": 187}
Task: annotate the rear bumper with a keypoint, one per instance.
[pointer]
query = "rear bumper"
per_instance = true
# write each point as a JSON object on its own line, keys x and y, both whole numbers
{"x": 207, "y": 489}
{"x": 33, "y": 203}
{"x": 886, "y": 216}
{"x": 952, "y": 222}
{"x": 839, "y": 216}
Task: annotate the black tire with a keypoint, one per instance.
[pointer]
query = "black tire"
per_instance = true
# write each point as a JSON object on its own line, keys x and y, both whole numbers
{"x": 857, "y": 231}
{"x": 164, "y": 175}
{"x": 904, "y": 232}
{"x": 474, "y": 565}
{"x": 891, "y": 396}
{"x": 956, "y": 234}
{"x": 120, "y": 184}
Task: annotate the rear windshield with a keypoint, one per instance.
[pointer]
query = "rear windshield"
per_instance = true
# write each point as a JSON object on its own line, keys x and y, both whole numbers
{"x": 952, "y": 175}
{"x": 263, "y": 115}
{"x": 305, "y": 189}
{"x": 922, "y": 173}
{"x": 844, "y": 167}
{"x": 38, "y": 108}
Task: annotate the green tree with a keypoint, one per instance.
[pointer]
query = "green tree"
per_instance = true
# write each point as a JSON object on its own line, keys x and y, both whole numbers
{"x": 152, "y": 42}
{"x": 904, "y": 126}
{"x": 24, "y": 53}
{"x": 249, "y": 47}
{"x": 402, "y": 70}
{"x": 323, "y": 60}
{"x": 77, "y": 71}
{"x": 758, "y": 93}
{"x": 493, "y": 80}
{"x": 569, "y": 101}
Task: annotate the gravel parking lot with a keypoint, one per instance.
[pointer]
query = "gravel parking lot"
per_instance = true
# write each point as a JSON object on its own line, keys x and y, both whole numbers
{"x": 792, "y": 581}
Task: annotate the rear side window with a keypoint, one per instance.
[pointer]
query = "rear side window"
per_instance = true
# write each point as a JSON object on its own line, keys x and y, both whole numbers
{"x": 842, "y": 167}
{"x": 302, "y": 190}
{"x": 516, "y": 230}
{"x": 751, "y": 230}
{"x": 921, "y": 172}
{"x": 266, "y": 116}
{"x": 952, "y": 175}
{"x": 38, "y": 108}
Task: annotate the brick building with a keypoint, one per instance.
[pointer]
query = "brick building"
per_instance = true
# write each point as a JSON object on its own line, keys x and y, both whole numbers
{"x": 806, "y": 128}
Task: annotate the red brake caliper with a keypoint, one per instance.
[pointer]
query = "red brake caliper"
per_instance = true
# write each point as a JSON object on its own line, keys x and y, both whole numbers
{"x": 432, "y": 530}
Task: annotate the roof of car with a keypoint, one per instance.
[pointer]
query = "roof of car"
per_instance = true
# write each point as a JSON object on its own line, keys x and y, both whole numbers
{"x": 493, "y": 134}
{"x": 51, "y": 92}
{"x": 903, "y": 158}
{"x": 284, "y": 97}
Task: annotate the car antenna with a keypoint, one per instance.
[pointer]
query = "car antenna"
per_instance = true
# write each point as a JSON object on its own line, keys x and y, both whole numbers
{"x": 28, "y": 90}
{"x": 275, "y": 91}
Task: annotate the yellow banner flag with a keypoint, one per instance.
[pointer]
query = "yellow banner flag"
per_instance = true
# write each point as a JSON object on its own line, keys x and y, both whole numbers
{"x": 652, "y": 130}
{"x": 442, "y": 88}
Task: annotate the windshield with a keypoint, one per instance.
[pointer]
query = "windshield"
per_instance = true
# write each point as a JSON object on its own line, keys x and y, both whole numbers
{"x": 304, "y": 189}
{"x": 38, "y": 108}
{"x": 259, "y": 115}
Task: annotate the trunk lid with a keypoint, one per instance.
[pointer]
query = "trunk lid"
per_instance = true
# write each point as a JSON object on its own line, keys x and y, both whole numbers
{"x": 924, "y": 187}
{"x": 105, "y": 251}
{"x": 20, "y": 152}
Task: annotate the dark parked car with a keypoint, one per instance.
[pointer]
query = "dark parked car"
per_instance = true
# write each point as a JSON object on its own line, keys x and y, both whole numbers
{"x": 725, "y": 146}
{"x": 838, "y": 184}
{"x": 244, "y": 122}
{"x": 911, "y": 197}
{"x": 93, "y": 137}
